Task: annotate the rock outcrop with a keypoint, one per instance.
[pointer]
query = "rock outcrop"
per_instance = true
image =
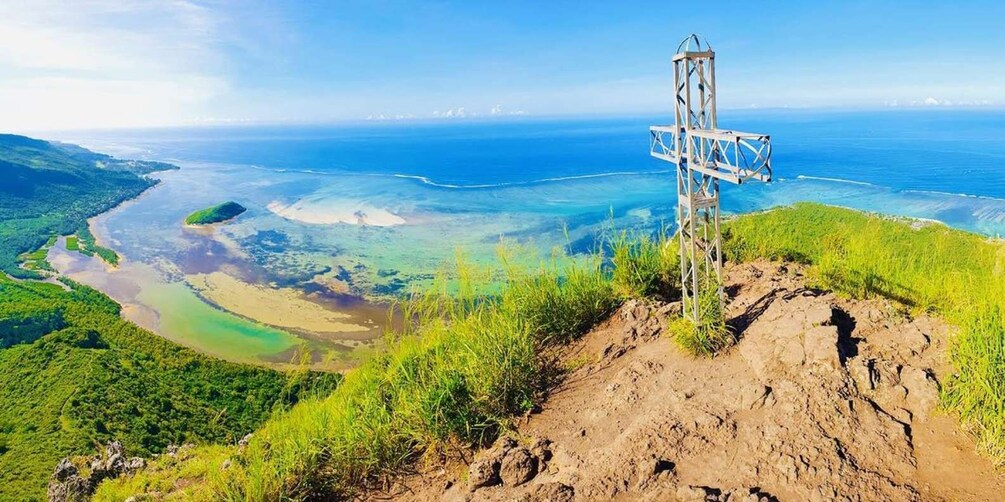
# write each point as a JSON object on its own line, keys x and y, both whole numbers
{"x": 68, "y": 485}
{"x": 822, "y": 398}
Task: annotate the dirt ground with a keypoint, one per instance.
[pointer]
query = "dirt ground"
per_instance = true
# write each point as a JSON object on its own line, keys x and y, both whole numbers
{"x": 823, "y": 398}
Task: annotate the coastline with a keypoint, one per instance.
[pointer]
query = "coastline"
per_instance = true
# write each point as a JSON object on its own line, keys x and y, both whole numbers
{"x": 263, "y": 322}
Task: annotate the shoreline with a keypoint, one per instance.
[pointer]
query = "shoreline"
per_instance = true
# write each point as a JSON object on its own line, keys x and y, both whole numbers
{"x": 301, "y": 317}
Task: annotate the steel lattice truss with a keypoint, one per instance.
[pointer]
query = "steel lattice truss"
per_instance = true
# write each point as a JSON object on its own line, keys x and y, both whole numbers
{"x": 704, "y": 155}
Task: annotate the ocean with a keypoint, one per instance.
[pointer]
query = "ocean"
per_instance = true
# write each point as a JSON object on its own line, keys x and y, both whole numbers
{"x": 370, "y": 210}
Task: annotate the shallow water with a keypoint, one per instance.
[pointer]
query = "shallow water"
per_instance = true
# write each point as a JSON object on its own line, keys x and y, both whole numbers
{"x": 428, "y": 191}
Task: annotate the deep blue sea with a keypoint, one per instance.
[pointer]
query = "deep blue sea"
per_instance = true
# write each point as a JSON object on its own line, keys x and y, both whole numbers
{"x": 374, "y": 209}
{"x": 926, "y": 163}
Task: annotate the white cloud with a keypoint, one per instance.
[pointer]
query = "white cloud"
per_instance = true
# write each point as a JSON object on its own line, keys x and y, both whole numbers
{"x": 104, "y": 63}
{"x": 453, "y": 113}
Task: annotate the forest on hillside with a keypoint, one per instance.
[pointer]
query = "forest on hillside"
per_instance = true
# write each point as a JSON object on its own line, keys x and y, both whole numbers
{"x": 52, "y": 188}
{"x": 73, "y": 373}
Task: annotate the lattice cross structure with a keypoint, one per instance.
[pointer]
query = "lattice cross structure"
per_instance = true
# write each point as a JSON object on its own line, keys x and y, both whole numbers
{"x": 704, "y": 155}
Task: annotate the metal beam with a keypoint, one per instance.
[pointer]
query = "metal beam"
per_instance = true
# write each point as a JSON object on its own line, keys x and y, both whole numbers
{"x": 704, "y": 155}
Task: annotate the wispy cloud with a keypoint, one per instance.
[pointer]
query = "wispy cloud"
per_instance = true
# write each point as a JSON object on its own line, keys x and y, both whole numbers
{"x": 106, "y": 63}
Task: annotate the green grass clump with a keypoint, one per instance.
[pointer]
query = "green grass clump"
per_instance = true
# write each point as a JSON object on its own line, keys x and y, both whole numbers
{"x": 709, "y": 334}
{"x": 930, "y": 267}
{"x": 976, "y": 390}
{"x": 645, "y": 266}
{"x": 72, "y": 244}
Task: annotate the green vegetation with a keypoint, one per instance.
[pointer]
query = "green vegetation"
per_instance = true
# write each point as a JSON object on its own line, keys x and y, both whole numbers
{"x": 37, "y": 260}
{"x": 52, "y": 188}
{"x": 89, "y": 247}
{"x": 477, "y": 356}
{"x": 710, "y": 334}
{"x": 73, "y": 374}
{"x": 471, "y": 360}
{"x": 215, "y": 214}
{"x": 956, "y": 274}
{"x": 644, "y": 265}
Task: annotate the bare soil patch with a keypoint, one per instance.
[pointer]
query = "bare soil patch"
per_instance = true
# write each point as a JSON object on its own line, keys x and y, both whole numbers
{"x": 822, "y": 398}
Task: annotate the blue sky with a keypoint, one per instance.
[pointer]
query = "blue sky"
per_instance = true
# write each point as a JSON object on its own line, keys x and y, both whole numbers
{"x": 105, "y": 63}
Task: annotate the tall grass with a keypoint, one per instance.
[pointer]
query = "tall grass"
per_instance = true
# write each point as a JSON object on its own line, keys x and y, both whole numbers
{"x": 707, "y": 335}
{"x": 930, "y": 268}
{"x": 468, "y": 360}
{"x": 644, "y": 265}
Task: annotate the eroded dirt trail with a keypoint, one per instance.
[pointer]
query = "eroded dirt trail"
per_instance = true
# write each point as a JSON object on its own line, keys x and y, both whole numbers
{"x": 823, "y": 398}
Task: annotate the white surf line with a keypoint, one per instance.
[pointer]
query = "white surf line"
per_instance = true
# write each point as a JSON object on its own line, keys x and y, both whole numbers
{"x": 835, "y": 180}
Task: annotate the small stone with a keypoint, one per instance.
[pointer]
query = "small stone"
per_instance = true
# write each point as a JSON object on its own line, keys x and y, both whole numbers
{"x": 518, "y": 467}
{"x": 134, "y": 464}
{"x": 243, "y": 443}
{"x": 754, "y": 397}
{"x": 506, "y": 443}
{"x": 541, "y": 448}
{"x": 483, "y": 473}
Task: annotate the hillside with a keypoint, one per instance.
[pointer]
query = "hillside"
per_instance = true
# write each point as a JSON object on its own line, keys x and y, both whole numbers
{"x": 52, "y": 188}
{"x": 477, "y": 362}
{"x": 822, "y": 397}
{"x": 216, "y": 214}
{"x": 73, "y": 374}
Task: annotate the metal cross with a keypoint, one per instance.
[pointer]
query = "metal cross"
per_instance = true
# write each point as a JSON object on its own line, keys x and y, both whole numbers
{"x": 703, "y": 154}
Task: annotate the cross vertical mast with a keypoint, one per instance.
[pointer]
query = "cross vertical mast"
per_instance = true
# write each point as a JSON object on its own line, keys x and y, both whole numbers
{"x": 704, "y": 155}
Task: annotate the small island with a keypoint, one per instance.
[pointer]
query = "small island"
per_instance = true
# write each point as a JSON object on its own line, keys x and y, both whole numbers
{"x": 215, "y": 214}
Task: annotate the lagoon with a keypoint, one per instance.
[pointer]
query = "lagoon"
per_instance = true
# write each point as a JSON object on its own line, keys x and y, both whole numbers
{"x": 347, "y": 218}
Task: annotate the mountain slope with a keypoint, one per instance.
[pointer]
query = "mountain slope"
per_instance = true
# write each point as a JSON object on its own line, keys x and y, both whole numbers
{"x": 73, "y": 373}
{"x": 52, "y": 188}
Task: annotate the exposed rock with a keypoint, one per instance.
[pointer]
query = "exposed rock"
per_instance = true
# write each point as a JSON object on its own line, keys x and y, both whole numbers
{"x": 484, "y": 472}
{"x": 815, "y": 402}
{"x": 687, "y": 493}
{"x": 541, "y": 448}
{"x": 820, "y": 344}
{"x": 755, "y": 396}
{"x": 922, "y": 391}
{"x": 243, "y": 443}
{"x": 518, "y": 467}
{"x": 66, "y": 485}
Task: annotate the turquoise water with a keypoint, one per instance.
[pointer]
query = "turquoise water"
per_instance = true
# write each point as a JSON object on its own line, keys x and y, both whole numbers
{"x": 428, "y": 191}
